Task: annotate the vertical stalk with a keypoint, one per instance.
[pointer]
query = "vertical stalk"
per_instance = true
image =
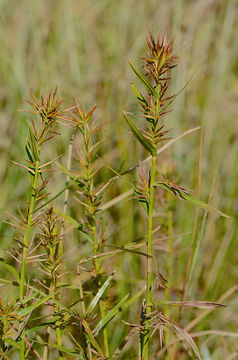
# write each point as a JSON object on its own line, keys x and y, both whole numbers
{"x": 25, "y": 249}
{"x": 57, "y": 324}
{"x": 59, "y": 342}
{"x": 60, "y": 248}
{"x": 105, "y": 334}
{"x": 95, "y": 243}
{"x": 94, "y": 227}
{"x": 145, "y": 355}
{"x": 83, "y": 308}
{"x": 95, "y": 250}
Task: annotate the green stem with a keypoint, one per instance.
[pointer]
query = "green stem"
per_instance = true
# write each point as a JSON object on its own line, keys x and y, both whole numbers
{"x": 145, "y": 354}
{"x": 101, "y": 308}
{"x": 105, "y": 334}
{"x": 25, "y": 248}
{"x": 60, "y": 247}
{"x": 56, "y": 310}
{"x": 59, "y": 342}
{"x": 95, "y": 243}
{"x": 94, "y": 230}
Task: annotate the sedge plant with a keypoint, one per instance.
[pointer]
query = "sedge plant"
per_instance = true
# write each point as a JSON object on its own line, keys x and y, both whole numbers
{"x": 89, "y": 195}
{"x": 157, "y": 65}
{"x": 153, "y": 103}
{"x": 48, "y": 111}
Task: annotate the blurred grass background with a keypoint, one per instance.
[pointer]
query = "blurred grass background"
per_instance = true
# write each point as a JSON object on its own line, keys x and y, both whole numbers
{"x": 84, "y": 47}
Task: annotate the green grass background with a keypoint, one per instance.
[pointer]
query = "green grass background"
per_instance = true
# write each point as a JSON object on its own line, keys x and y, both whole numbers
{"x": 84, "y": 47}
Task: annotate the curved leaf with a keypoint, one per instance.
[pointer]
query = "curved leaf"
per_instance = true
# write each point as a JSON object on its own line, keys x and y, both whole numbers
{"x": 190, "y": 198}
{"x": 140, "y": 137}
{"x": 33, "y": 306}
{"x": 11, "y": 269}
{"x": 110, "y": 315}
{"x": 68, "y": 351}
{"x": 143, "y": 79}
{"x": 122, "y": 305}
{"x": 32, "y": 142}
{"x": 91, "y": 338}
{"x": 98, "y": 296}
{"x": 13, "y": 343}
{"x": 193, "y": 304}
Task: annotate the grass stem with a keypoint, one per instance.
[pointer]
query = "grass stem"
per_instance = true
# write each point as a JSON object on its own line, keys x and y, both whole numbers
{"x": 25, "y": 248}
{"x": 145, "y": 354}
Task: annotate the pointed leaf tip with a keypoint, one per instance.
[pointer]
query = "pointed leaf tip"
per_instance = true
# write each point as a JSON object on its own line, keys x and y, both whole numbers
{"x": 139, "y": 136}
{"x": 184, "y": 195}
{"x": 143, "y": 79}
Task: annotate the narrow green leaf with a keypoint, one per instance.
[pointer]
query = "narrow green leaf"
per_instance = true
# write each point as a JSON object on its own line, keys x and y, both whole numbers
{"x": 190, "y": 198}
{"x": 143, "y": 79}
{"x": 43, "y": 325}
{"x": 193, "y": 200}
{"x": 74, "y": 222}
{"x": 139, "y": 96}
{"x": 10, "y": 282}
{"x": 13, "y": 343}
{"x": 91, "y": 337}
{"x": 32, "y": 142}
{"x": 68, "y": 351}
{"x": 110, "y": 315}
{"x": 11, "y": 269}
{"x": 136, "y": 92}
{"x": 122, "y": 305}
{"x": 98, "y": 296}
{"x": 28, "y": 151}
{"x": 129, "y": 302}
{"x": 140, "y": 137}
{"x": 29, "y": 298}
{"x": 32, "y": 307}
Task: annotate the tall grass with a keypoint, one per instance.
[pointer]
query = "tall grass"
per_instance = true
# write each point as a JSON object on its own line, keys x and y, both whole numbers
{"x": 41, "y": 48}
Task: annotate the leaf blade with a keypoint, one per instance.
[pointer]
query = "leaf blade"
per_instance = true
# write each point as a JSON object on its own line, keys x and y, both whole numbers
{"x": 142, "y": 78}
{"x": 139, "y": 136}
{"x": 191, "y": 199}
{"x": 121, "y": 306}
{"x": 11, "y": 269}
{"x": 194, "y": 304}
{"x": 97, "y": 297}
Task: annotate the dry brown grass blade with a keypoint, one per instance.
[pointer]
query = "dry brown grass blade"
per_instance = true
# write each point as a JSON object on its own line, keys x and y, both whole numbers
{"x": 195, "y": 304}
{"x": 198, "y": 334}
{"x": 227, "y": 294}
{"x": 193, "y": 323}
{"x": 122, "y": 249}
{"x": 214, "y": 332}
{"x": 182, "y": 333}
